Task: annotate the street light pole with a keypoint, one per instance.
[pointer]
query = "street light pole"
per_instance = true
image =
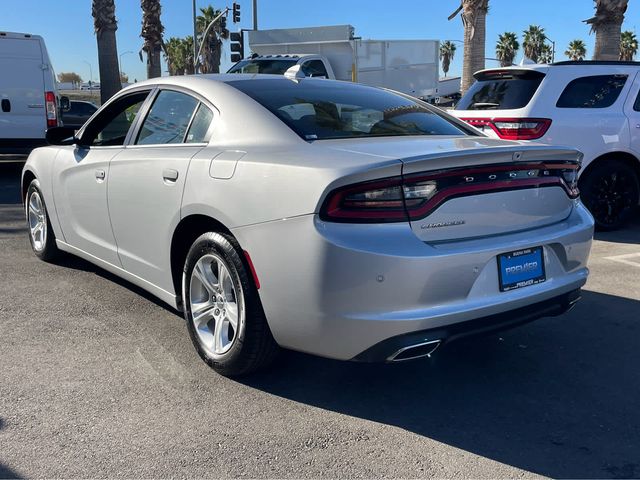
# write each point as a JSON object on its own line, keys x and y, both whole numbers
{"x": 195, "y": 39}
{"x": 90, "y": 72}
{"x": 255, "y": 14}
{"x": 120, "y": 57}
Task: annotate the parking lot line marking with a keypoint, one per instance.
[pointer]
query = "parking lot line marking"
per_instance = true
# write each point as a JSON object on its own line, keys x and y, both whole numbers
{"x": 626, "y": 259}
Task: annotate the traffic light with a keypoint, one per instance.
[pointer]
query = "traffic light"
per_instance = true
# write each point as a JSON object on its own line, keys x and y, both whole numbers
{"x": 236, "y": 12}
{"x": 237, "y": 46}
{"x": 223, "y": 23}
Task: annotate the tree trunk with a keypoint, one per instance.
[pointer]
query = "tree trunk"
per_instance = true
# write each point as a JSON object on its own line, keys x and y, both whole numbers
{"x": 608, "y": 41}
{"x": 108, "y": 64}
{"x": 473, "y": 58}
{"x": 153, "y": 64}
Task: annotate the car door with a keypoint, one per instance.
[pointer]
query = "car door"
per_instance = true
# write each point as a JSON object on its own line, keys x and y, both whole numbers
{"x": 632, "y": 112}
{"x": 81, "y": 177}
{"x": 147, "y": 179}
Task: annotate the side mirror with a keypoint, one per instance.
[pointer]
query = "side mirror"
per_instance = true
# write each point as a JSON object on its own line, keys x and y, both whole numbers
{"x": 294, "y": 73}
{"x": 65, "y": 104}
{"x": 60, "y": 136}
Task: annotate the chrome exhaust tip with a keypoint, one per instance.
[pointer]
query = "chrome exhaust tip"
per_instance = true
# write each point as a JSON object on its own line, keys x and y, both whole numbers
{"x": 413, "y": 352}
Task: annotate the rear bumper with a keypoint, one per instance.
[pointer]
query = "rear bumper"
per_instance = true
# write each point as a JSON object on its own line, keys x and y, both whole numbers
{"x": 339, "y": 290}
{"x": 388, "y": 349}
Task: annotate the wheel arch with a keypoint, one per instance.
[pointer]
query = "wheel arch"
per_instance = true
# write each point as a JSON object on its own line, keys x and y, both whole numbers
{"x": 27, "y": 177}
{"x": 626, "y": 157}
{"x": 185, "y": 233}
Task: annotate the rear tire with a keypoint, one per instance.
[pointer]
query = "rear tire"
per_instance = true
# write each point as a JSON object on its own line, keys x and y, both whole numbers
{"x": 222, "y": 308}
{"x": 41, "y": 236}
{"x": 611, "y": 192}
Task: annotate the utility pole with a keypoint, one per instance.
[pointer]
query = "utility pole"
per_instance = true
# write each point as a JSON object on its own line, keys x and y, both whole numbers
{"x": 195, "y": 39}
{"x": 255, "y": 14}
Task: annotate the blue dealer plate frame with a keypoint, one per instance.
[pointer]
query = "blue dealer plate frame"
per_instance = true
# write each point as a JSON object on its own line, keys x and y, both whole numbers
{"x": 521, "y": 268}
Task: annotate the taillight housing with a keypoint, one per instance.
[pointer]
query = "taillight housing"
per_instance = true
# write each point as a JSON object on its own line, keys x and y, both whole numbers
{"x": 51, "y": 109}
{"x": 413, "y": 197}
{"x": 514, "y": 128}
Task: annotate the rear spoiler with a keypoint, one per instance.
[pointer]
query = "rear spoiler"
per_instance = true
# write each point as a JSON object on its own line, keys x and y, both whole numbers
{"x": 508, "y": 74}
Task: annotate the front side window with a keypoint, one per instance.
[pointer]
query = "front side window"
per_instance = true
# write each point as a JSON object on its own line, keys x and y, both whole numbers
{"x": 111, "y": 126}
{"x": 597, "y": 91}
{"x": 318, "y": 110}
{"x": 168, "y": 119}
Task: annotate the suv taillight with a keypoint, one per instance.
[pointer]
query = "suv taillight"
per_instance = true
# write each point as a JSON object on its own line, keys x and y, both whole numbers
{"x": 398, "y": 199}
{"x": 51, "y": 109}
{"x": 514, "y": 128}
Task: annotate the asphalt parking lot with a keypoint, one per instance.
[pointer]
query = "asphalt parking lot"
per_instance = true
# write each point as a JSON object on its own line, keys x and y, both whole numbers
{"x": 98, "y": 379}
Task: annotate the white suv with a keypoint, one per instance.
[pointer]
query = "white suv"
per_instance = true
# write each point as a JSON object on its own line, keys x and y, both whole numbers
{"x": 592, "y": 106}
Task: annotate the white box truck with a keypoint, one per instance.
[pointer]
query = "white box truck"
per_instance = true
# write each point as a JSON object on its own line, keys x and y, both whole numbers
{"x": 408, "y": 66}
{"x": 28, "y": 96}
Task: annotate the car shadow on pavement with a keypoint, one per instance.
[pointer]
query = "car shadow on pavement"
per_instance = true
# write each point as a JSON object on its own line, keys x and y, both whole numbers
{"x": 69, "y": 261}
{"x": 6, "y": 472}
{"x": 629, "y": 234}
{"x": 558, "y": 397}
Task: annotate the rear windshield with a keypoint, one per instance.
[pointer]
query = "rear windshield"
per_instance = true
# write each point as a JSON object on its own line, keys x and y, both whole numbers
{"x": 276, "y": 66}
{"x": 322, "y": 109}
{"x": 502, "y": 90}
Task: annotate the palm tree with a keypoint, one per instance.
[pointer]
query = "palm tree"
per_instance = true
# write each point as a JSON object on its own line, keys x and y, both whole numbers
{"x": 105, "y": 25}
{"x": 576, "y": 50}
{"x": 628, "y": 46}
{"x": 533, "y": 42}
{"x": 607, "y": 24}
{"x": 447, "y": 52}
{"x": 507, "y": 48}
{"x": 174, "y": 56}
{"x": 152, "y": 30}
{"x": 212, "y": 49}
{"x": 474, "y": 19}
{"x": 187, "y": 45}
{"x": 546, "y": 54}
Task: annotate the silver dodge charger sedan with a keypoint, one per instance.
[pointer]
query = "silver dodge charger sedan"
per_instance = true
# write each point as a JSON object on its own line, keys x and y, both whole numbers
{"x": 327, "y": 217}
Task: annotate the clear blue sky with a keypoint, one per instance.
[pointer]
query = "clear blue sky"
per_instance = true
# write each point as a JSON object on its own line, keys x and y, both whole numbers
{"x": 67, "y": 26}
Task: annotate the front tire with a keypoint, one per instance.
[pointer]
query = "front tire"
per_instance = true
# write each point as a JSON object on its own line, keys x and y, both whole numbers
{"x": 611, "y": 192}
{"x": 41, "y": 236}
{"x": 222, "y": 309}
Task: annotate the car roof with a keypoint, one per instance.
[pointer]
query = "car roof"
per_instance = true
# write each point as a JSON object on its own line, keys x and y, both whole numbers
{"x": 544, "y": 67}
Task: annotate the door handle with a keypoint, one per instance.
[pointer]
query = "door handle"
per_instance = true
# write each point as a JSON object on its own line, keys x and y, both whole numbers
{"x": 170, "y": 175}
{"x": 6, "y": 105}
{"x": 100, "y": 174}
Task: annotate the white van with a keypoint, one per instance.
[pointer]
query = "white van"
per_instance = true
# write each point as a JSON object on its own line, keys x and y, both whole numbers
{"x": 28, "y": 97}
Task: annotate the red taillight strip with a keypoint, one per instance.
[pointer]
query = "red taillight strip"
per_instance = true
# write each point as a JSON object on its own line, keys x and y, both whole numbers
{"x": 333, "y": 207}
{"x": 521, "y": 133}
{"x": 449, "y": 184}
{"x": 490, "y": 169}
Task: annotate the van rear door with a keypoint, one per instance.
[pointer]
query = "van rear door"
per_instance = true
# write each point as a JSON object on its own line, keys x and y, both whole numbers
{"x": 22, "y": 91}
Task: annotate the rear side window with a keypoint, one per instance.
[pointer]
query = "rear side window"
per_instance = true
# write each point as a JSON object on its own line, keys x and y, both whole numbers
{"x": 314, "y": 68}
{"x": 501, "y": 90}
{"x": 200, "y": 125}
{"x": 597, "y": 91}
{"x": 168, "y": 119}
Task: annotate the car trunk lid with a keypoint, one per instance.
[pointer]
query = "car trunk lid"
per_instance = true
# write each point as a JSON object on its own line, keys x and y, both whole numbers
{"x": 468, "y": 187}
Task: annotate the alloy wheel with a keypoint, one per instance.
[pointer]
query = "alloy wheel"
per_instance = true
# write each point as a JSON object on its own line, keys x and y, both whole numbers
{"x": 37, "y": 217}
{"x": 611, "y": 196}
{"x": 215, "y": 311}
